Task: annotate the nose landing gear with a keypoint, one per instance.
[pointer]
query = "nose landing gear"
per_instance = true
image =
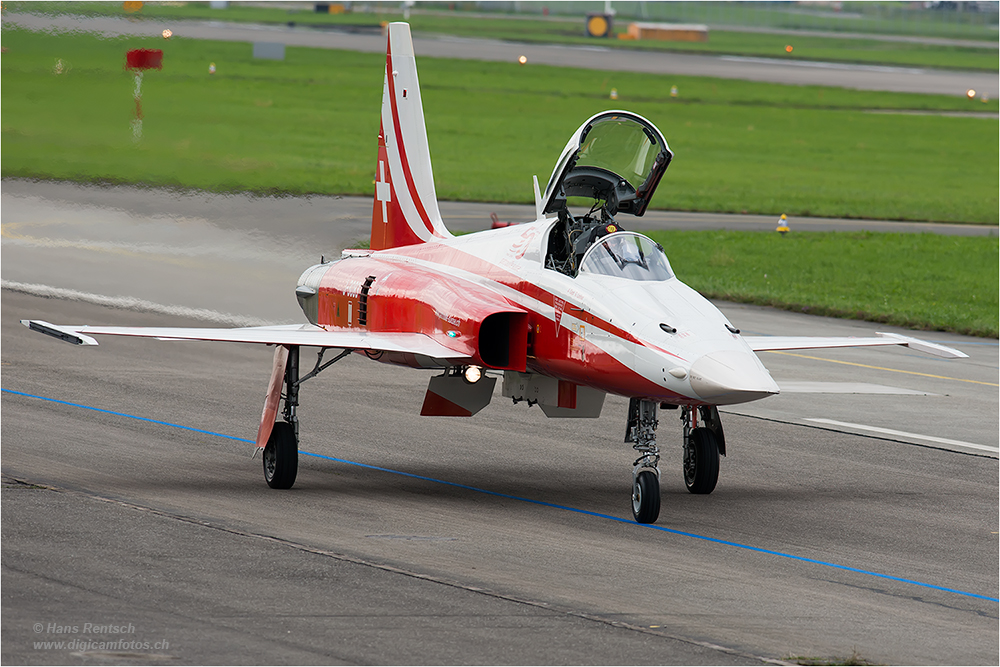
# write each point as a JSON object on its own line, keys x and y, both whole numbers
{"x": 641, "y": 431}
{"x": 702, "y": 447}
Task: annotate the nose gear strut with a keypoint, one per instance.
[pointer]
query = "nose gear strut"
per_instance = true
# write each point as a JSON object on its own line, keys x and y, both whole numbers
{"x": 641, "y": 431}
{"x": 703, "y": 443}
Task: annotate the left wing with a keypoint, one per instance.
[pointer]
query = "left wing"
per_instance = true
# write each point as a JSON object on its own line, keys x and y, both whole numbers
{"x": 307, "y": 335}
{"x": 769, "y": 343}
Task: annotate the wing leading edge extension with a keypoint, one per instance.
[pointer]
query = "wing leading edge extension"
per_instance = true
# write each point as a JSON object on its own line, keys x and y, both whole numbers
{"x": 307, "y": 335}
{"x": 772, "y": 343}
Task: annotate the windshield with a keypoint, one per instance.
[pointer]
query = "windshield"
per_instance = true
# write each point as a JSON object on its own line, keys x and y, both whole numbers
{"x": 621, "y": 146}
{"x": 627, "y": 255}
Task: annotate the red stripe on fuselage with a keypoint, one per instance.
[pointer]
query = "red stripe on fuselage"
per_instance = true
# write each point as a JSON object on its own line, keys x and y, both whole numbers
{"x": 459, "y": 259}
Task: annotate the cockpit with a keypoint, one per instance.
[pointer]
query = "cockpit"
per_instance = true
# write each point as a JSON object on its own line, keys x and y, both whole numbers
{"x": 612, "y": 164}
{"x": 627, "y": 255}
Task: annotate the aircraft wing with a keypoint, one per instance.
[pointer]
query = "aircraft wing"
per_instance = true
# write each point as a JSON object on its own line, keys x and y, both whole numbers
{"x": 307, "y": 335}
{"x": 769, "y": 343}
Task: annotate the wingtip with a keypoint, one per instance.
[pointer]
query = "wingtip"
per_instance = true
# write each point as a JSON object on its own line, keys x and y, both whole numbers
{"x": 63, "y": 333}
{"x": 935, "y": 349}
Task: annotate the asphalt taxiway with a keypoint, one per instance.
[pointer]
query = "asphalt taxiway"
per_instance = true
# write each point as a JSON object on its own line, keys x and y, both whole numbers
{"x": 130, "y": 496}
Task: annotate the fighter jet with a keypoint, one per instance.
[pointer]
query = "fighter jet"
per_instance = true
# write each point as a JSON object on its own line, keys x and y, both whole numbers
{"x": 565, "y": 309}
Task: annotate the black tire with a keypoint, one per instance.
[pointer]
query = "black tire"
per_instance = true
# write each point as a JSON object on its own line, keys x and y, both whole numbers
{"x": 646, "y": 497}
{"x": 281, "y": 457}
{"x": 701, "y": 462}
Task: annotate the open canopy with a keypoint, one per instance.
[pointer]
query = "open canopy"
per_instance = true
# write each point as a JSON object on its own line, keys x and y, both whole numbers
{"x": 617, "y": 157}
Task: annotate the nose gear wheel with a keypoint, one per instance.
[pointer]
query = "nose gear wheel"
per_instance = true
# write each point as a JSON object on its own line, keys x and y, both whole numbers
{"x": 646, "y": 497}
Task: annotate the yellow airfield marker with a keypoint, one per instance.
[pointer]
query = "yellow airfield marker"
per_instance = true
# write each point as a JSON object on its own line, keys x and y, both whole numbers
{"x": 782, "y": 227}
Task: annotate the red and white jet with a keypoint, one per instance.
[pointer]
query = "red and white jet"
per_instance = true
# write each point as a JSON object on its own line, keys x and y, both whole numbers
{"x": 567, "y": 309}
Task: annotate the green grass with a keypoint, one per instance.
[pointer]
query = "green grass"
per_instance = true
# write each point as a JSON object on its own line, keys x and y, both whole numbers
{"x": 922, "y": 281}
{"x": 309, "y": 125}
{"x": 569, "y": 30}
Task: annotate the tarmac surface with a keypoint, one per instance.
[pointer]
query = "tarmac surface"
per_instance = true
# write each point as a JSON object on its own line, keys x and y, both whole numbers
{"x": 774, "y": 70}
{"x": 856, "y": 513}
{"x": 857, "y": 521}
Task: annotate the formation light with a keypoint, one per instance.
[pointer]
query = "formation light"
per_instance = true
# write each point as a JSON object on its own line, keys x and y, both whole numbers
{"x": 473, "y": 374}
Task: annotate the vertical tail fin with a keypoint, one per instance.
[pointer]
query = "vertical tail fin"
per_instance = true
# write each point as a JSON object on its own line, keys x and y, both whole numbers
{"x": 405, "y": 210}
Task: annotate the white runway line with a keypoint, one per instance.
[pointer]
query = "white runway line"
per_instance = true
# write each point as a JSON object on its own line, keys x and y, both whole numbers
{"x": 904, "y": 434}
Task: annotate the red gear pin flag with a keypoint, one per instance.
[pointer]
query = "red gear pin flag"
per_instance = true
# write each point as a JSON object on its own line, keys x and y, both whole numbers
{"x": 139, "y": 60}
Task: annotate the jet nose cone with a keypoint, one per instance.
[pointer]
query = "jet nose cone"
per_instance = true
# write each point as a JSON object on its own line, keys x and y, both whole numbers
{"x": 731, "y": 376}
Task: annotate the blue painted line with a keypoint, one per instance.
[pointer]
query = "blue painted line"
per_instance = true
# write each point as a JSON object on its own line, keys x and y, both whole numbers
{"x": 532, "y": 501}
{"x": 122, "y": 414}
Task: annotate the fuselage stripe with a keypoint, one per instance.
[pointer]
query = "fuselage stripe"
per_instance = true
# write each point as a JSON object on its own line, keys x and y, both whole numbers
{"x": 535, "y": 298}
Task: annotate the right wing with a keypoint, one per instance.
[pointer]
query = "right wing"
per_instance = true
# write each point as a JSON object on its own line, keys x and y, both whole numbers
{"x": 307, "y": 335}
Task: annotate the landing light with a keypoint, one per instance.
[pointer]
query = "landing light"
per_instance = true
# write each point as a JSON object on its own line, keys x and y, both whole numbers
{"x": 473, "y": 374}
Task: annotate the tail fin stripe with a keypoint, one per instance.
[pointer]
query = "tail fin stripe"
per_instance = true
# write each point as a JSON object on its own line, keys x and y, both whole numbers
{"x": 405, "y": 208}
{"x": 397, "y": 131}
{"x": 401, "y": 192}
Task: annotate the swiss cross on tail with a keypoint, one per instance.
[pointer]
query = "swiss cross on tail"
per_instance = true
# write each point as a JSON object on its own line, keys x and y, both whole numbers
{"x": 383, "y": 210}
{"x": 383, "y": 191}
{"x": 405, "y": 209}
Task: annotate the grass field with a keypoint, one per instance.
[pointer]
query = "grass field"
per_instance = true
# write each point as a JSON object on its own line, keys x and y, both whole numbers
{"x": 569, "y": 30}
{"x": 308, "y": 124}
{"x": 920, "y": 281}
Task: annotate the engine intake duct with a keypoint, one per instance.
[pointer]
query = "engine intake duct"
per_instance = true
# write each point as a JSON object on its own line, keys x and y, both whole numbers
{"x": 503, "y": 341}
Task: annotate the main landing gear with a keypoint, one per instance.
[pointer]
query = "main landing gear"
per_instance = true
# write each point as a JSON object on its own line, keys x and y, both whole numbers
{"x": 281, "y": 453}
{"x": 702, "y": 447}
